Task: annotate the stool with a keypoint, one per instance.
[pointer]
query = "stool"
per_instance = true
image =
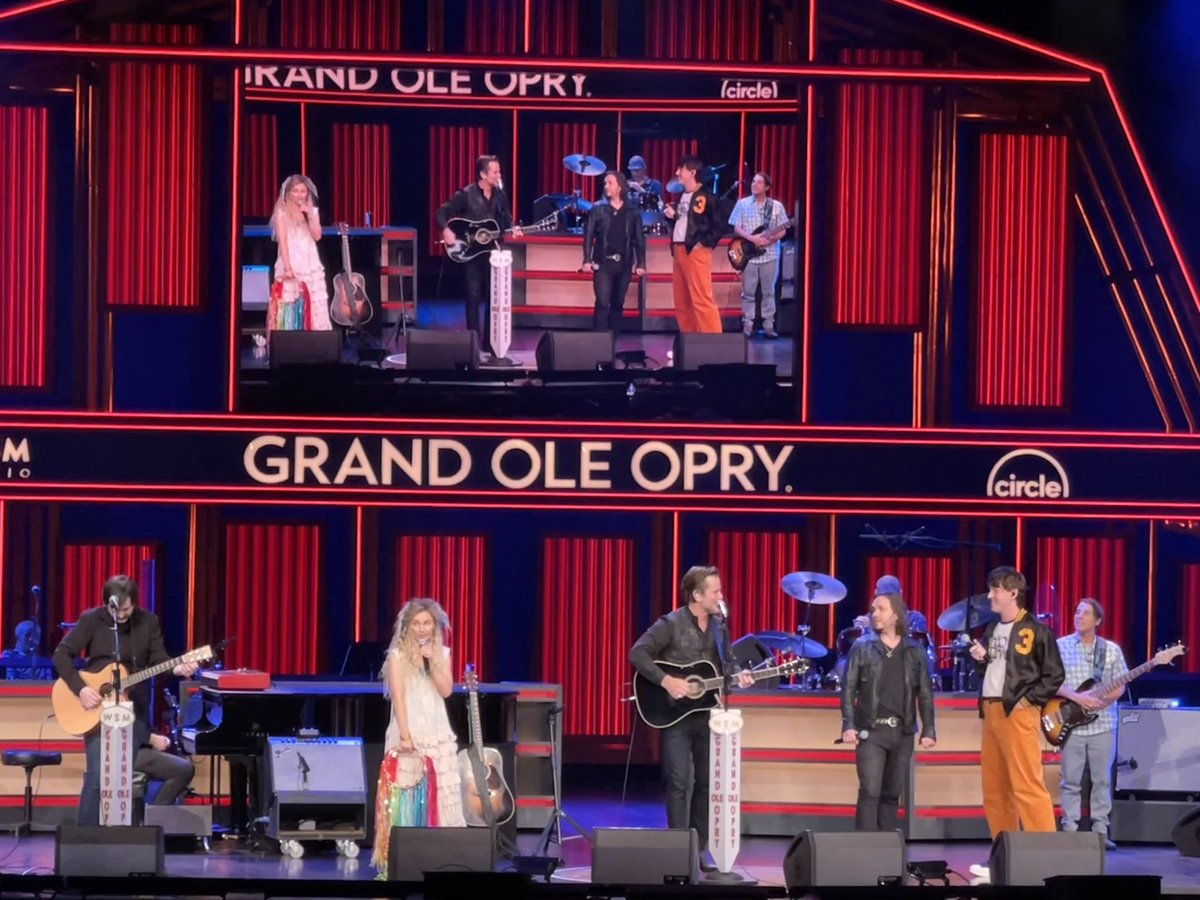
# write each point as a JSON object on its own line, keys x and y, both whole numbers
{"x": 139, "y": 783}
{"x": 29, "y": 760}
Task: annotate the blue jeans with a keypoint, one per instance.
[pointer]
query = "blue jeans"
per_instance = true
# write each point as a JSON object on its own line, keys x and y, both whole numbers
{"x": 1096, "y": 753}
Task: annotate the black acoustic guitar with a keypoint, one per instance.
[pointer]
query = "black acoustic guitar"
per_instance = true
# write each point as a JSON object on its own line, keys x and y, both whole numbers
{"x": 1061, "y": 716}
{"x": 658, "y": 710}
{"x": 473, "y": 237}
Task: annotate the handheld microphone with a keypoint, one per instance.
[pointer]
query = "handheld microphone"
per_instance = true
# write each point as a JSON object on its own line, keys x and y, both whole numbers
{"x": 35, "y": 590}
{"x": 500, "y": 183}
{"x": 426, "y": 660}
{"x": 723, "y": 608}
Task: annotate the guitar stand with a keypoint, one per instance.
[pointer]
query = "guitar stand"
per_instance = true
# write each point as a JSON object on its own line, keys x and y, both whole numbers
{"x": 557, "y": 814}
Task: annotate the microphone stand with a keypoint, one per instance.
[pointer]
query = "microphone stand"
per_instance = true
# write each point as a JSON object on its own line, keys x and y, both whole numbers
{"x": 116, "y": 631}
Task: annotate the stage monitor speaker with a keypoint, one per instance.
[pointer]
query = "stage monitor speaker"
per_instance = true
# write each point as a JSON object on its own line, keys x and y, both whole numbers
{"x": 455, "y": 351}
{"x": 1030, "y": 857}
{"x": 645, "y": 856}
{"x": 695, "y": 350}
{"x": 305, "y": 348}
{"x": 1186, "y": 833}
{"x": 844, "y": 859}
{"x": 574, "y": 351}
{"x": 414, "y": 851}
{"x": 108, "y": 850}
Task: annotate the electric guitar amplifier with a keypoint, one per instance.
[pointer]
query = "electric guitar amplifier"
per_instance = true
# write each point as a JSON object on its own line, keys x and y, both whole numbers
{"x": 1156, "y": 749}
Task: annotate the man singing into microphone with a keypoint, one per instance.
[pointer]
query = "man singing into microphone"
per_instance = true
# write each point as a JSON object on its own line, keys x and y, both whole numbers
{"x": 887, "y": 685}
{"x": 686, "y": 635}
{"x": 141, "y": 646}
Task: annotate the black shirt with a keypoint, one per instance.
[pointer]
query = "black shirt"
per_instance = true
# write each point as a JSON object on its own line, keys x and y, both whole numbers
{"x": 470, "y": 203}
{"x": 677, "y": 638}
{"x": 610, "y": 231}
{"x": 891, "y": 683}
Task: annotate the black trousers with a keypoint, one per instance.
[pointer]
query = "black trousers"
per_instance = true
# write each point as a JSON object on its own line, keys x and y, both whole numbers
{"x": 175, "y": 773}
{"x": 882, "y": 760}
{"x": 477, "y": 281}
{"x": 684, "y": 749}
{"x": 611, "y": 283}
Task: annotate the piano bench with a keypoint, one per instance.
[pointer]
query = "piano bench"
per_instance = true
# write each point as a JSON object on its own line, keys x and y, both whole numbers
{"x": 28, "y": 760}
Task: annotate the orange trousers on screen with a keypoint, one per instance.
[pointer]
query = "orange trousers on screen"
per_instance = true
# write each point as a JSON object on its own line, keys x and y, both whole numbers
{"x": 691, "y": 278}
{"x": 1014, "y": 783}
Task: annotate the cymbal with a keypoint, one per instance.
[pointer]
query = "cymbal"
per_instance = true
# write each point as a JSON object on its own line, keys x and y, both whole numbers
{"x": 674, "y": 187}
{"x": 797, "y": 645}
{"x": 955, "y": 617}
{"x": 813, "y": 587}
{"x": 584, "y": 165}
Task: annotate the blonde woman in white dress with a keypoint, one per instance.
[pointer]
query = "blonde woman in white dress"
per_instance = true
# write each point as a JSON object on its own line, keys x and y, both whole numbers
{"x": 419, "y": 783}
{"x": 296, "y": 228}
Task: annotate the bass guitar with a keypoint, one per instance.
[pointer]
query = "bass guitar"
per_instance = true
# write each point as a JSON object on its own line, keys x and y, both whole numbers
{"x": 741, "y": 251}
{"x": 350, "y": 307}
{"x": 659, "y": 710}
{"x": 74, "y": 719}
{"x": 1061, "y": 716}
{"x": 487, "y": 800}
{"x": 473, "y": 237}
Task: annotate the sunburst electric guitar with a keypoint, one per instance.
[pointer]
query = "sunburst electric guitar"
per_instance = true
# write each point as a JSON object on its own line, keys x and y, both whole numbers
{"x": 1060, "y": 716}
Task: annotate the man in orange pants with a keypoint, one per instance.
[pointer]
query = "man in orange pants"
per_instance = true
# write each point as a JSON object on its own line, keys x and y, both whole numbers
{"x": 698, "y": 228}
{"x": 1021, "y": 671}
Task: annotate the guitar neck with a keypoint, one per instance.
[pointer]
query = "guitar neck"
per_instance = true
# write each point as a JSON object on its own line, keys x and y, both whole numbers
{"x": 145, "y": 674}
{"x": 711, "y": 684}
{"x": 1121, "y": 680}
{"x": 346, "y": 254}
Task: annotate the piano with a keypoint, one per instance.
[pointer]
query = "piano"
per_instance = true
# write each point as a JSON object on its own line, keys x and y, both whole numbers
{"x": 236, "y": 724}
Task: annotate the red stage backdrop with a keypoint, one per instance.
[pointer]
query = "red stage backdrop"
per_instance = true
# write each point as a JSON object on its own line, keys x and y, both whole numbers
{"x": 154, "y": 190}
{"x": 1079, "y": 567}
{"x": 777, "y": 152}
{"x": 925, "y": 581}
{"x": 273, "y": 598}
{"x": 583, "y": 650}
{"x": 453, "y": 570}
{"x": 342, "y": 24}
{"x": 86, "y": 567}
{"x": 879, "y": 197}
{"x": 1020, "y": 297}
{"x": 559, "y": 139}
{"x": 260, "y": 185}
{"x": 494, "y": 26}
{"x": 24, "y": 212}
{"x": 1189, "y": 620}
{"x": 361, "y": 174}
{"x": 662, "y": 156}
{"x": 727, "y": 30}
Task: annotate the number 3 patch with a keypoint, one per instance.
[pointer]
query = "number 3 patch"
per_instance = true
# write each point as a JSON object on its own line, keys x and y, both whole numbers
{"x": 699, "y": 205}
{"x": 1024, "y": 644}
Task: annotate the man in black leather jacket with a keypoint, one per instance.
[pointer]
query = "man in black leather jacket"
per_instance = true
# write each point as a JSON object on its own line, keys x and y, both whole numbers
{"x": 887, "y": 684}
{"x": 688, "y": 634}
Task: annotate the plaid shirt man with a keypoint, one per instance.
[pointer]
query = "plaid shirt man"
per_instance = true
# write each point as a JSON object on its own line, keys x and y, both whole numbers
{"x": 1080, "y": 665}
{"x": 748, "y": 215}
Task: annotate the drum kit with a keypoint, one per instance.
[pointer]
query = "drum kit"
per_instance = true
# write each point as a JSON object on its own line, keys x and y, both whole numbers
{"x": 967, "y": 617}
{"x": 573, "y": 208}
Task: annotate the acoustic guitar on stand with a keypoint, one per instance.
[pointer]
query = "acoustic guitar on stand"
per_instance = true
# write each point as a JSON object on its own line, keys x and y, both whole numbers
{"x": 350, "y": 307}
{"x": 487, "y": 800}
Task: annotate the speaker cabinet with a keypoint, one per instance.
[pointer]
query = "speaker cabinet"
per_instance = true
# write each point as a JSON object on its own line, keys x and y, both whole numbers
{"x": 843, "y": 859}
{"x": 574, "y": 351}
{"x": 645, "y": 856}
{"x": 305, "y": 348}
{"x": 1030, "y": 857}
{"x": 414, "y": 851}
{"x": 1186, "y": 833}
{"x": 108, "y": 850}
{"x": 195, "y": 821}
{"x": 454, "y": 351}
{"x": 695, "y": 350}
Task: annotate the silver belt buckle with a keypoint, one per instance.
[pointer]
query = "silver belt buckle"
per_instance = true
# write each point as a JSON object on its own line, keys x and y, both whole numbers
{"x": 615, "y": 257}
{"x": 890, "y": 721}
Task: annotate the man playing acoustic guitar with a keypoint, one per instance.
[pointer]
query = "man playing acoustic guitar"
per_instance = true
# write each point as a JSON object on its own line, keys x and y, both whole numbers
{"x": 686, "y": 635}
{"x": 141, "y": 645}
{"x": 1086, "y": 655}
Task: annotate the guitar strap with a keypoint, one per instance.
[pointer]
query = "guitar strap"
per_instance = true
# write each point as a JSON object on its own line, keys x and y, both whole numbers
{"x": 1098, "y": 660}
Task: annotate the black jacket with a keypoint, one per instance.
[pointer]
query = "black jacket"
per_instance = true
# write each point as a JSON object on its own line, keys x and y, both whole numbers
{"x": 860, "y": 689}
{"x": 705, "y": 225}
{"x": 1033, "y": 667}
{"x": 607, "y": 232}
{"x": 677, "y": 638}
{"x": 470, "y": 203}
{"x": 141, "y": 647}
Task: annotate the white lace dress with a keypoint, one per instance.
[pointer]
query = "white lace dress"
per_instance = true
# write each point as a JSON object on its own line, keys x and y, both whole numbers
{"x": 404, "y": 796}
{"x": 306, "y": 266}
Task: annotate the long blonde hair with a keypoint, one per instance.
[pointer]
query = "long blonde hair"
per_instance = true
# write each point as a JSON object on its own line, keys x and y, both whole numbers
{"x": 281, "y": 204}
{"x": 404, "y": 642}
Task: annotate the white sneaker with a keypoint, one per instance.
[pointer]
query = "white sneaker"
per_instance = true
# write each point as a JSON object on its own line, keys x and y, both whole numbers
{"x": 983, "y": 874}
